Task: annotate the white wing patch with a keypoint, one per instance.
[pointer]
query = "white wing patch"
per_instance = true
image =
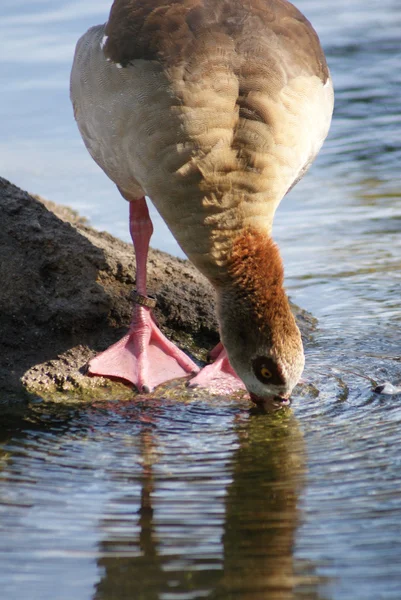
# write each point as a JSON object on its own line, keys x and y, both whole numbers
{"x": 104, "y": 41}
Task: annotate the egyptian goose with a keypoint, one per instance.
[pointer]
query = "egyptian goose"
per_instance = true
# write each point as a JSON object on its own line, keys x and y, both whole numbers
{"x": 213, "y": 109}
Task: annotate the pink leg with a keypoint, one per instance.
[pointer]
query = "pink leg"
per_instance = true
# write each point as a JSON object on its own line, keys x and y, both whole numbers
{"x": 144, "y": 357}
{"x": 219, "y": 377}
{"x": 214, "y": 353}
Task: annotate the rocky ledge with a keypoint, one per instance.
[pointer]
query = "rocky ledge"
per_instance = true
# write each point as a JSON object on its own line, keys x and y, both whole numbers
{"x": 66, "y": 294}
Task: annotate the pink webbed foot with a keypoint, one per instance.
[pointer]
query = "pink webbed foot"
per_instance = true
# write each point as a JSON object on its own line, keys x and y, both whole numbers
{"x": 144, "y": 357}
{"x": 219, "y": 377}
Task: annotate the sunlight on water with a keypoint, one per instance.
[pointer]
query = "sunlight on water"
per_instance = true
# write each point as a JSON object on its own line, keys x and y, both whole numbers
{"x": 152, "y": 499}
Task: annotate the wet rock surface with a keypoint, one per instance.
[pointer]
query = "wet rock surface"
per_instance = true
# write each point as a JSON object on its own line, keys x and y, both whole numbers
{"x": 66, "y": 294}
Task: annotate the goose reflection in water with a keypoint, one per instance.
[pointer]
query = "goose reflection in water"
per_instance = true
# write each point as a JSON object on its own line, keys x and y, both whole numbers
{"x": 255, "y": 554}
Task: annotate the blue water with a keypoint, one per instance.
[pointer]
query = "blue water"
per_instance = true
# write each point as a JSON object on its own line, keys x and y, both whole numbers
{"x": 193, "y": 499}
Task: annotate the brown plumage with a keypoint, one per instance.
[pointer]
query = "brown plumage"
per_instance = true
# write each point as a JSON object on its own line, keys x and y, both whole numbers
{"x": 171, "y": 31}
{"x": 255, "y": 271}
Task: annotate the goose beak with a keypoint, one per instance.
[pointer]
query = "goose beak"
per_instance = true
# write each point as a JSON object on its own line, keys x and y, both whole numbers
{"x": 270, "y": 403}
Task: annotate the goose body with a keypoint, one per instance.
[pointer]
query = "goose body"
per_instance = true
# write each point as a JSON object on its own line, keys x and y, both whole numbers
{"x": 213, "y": 109}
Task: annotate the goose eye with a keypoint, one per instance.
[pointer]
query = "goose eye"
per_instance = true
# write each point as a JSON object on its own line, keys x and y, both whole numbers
{"x": 267, "y": 371}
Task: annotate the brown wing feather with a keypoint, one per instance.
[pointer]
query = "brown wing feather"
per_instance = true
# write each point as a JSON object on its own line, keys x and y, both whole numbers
{"x": 167, "y": 31}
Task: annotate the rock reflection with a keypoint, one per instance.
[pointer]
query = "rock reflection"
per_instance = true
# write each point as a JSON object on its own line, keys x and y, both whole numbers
{"x": 260, "y": 522}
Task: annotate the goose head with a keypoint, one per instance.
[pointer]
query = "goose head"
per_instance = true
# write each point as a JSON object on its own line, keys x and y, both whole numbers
{"x": 257, "y": 327}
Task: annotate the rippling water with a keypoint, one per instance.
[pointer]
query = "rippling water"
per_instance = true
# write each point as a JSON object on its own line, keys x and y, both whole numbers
{"x": 154, "y": 499}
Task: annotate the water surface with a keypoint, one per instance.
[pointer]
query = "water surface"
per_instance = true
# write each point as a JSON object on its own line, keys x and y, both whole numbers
{"x": 154, "y": 499}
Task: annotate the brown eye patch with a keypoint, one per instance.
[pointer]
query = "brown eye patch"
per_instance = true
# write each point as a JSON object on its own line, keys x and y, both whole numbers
{"x": 267, "y": 371}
